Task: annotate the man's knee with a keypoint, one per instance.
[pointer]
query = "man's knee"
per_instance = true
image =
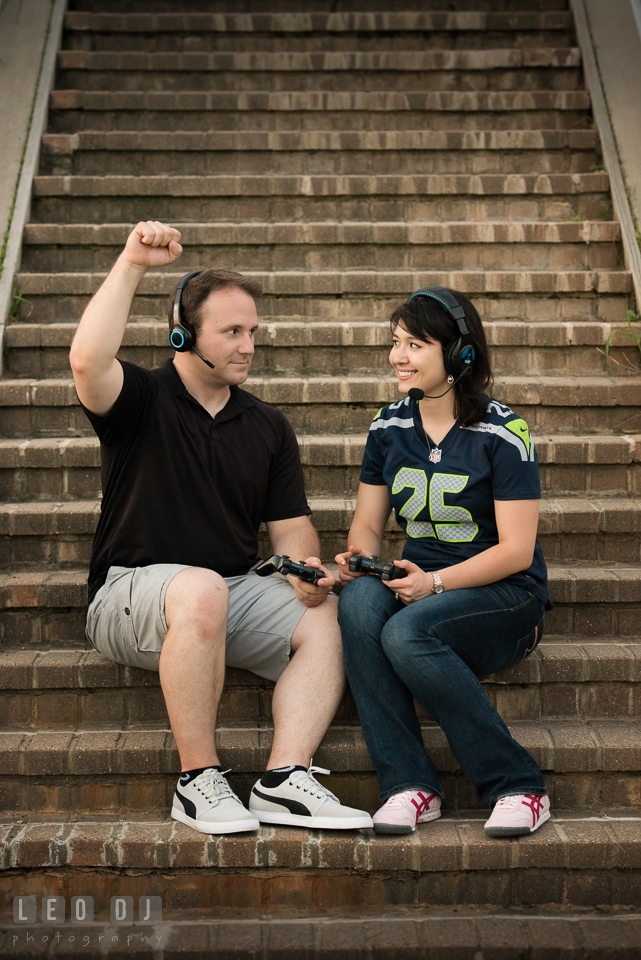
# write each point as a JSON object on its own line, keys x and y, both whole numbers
{"x": 199, "y": 596}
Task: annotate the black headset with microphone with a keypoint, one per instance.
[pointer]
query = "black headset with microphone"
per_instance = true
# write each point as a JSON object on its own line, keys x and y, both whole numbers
{"x": 458, "y": 354}
{"x": 182, "y": 336}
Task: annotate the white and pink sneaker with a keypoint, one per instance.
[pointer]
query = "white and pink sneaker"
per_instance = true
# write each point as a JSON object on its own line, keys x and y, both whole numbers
{"x": 518, "y": 814}
{"x": 403, "y": 811}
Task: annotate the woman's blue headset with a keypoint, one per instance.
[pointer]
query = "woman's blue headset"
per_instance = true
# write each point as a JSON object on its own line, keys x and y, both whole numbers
{"x": 459, "y": 354}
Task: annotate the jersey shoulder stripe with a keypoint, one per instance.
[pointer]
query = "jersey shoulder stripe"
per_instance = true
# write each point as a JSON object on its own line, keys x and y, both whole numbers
{"x": 397, "y": 414}
{"x": 501, "y": 421}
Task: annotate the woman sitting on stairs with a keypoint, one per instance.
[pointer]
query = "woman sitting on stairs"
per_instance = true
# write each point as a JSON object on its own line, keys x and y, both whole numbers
{"x": 461, "y": 473}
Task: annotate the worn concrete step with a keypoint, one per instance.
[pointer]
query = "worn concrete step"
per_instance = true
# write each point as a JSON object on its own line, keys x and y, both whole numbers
{"x": 68, "y": 469}
{"x": 584, "y": 933}
{"x": 299, "y": 22}
{"x": 338, "y": 232}
{"x": 572, "y": 860}
{"x": 332, "y": 405}
{"x": 593, "y": 602}
{"x": 319, "y": 61}
{"x": 87, "y": 209}
{"x": 314, "y": 6}
{"x": 319, "y": 185}
{"x": 102, "y": 114}
{"x": 57, "y": 160}
{"x": 59, "y": 689}
{"x": 457, "y": 101}
{"x": 594, "y": 763}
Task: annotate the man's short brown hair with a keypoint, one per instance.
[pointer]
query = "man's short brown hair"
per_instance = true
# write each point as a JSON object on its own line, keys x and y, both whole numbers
{"x": 199, "y": 288}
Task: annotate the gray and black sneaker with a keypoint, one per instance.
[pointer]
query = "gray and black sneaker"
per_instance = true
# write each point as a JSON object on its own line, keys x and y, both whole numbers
{"x": 209, "y": 805}
{"x": 301, "y": 801}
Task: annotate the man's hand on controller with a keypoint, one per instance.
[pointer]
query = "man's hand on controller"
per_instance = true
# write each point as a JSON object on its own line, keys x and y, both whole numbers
{"x": 308, "y": 594}
{"x": 152, "y": 244}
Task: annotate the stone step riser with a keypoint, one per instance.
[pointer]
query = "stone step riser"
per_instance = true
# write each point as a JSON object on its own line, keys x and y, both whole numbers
{"x": 500, "y": 80}
{"x": 142, "y": 795}
{"x": 65, "y": 120}
{"x": 117, "y": 209}
{"x": 517, "y": 308}
{"x": 309, "y": 419}
{"x": 366, "y": 256}
{"x": 344, "y": 163}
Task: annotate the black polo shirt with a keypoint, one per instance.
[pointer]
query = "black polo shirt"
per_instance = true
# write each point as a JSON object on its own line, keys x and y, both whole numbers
{"x": 182, "y": 487}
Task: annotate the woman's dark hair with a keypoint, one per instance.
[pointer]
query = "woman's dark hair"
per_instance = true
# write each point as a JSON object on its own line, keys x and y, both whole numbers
{"x": 427, "y": 320}
{"x": 199, "y": 288}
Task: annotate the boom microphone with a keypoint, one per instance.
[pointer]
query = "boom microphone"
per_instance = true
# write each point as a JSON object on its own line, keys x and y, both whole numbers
{"x": 417, "y": 394}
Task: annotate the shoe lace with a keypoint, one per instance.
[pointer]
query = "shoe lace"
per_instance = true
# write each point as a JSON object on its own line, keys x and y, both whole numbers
{"x": 399, "y": 799}
{"x": 213, "y": 785}
{"x": 313, "y": 787}
{"x": 509, "y": 803}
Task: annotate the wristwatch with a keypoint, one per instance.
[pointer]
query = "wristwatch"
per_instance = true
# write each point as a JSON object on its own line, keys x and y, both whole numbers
{"x": 438, "y": 583}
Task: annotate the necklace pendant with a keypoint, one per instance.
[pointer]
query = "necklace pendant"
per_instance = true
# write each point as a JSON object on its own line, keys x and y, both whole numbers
{"x": 435, "y": 455}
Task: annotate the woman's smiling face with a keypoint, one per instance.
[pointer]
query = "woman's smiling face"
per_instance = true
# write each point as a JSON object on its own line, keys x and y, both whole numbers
{"x": 417, "y": 363}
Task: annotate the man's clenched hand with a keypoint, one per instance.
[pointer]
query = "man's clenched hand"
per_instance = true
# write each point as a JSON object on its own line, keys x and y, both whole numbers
{"x": 152, "y": 244}
{"x": 308, "y": 594}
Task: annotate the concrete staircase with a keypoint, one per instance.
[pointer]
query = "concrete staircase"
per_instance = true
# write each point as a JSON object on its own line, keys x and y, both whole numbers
{"x": 344, "y": 159}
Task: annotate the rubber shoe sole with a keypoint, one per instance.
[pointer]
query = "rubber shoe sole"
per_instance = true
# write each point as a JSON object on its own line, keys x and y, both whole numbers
{"x": 314, "y": 823}
{"x": 515, "y": 831}
{"x": 210, "y": 826}
{"x": 403, "y": 828}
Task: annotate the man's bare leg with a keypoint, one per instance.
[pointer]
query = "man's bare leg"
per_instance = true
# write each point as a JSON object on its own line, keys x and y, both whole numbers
{"x": 310, "y": 689}
{"x": 192, "y": 662}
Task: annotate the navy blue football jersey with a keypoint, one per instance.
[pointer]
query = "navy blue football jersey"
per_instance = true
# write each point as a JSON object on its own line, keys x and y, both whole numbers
{"x": 443, "y": 495}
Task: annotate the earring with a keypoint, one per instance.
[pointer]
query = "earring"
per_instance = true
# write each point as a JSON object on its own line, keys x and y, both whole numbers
{"x": 450, "y": 379}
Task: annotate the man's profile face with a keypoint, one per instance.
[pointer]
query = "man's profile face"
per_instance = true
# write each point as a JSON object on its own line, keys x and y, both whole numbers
{"x": 226, "y": 337}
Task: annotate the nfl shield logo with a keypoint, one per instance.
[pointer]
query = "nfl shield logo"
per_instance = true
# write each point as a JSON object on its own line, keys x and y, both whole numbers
{"x": 435, "y": 456}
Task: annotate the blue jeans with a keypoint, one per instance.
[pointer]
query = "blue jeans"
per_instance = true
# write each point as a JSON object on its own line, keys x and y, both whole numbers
{"x": 432, "y": 650}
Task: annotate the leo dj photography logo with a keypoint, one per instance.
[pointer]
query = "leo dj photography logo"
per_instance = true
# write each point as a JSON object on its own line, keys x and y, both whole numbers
{"x": 53, "y": 910}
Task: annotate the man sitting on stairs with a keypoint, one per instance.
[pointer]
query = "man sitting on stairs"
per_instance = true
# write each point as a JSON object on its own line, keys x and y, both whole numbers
{"x": 191, "y": 465}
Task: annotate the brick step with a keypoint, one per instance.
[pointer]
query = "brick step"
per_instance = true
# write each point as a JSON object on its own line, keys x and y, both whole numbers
{"x": 577, "y": 307}
{"x": 285, "y": 333}
{"x": 61, "y": 688}
{"x": 593, "y": 763}
{"x": 581, "y": 933}
{"x": 70, "y": 469}
{"x": 104, "y": 114}
{"x": 319, "y": 185}
{"x": 291, "y": 349}
{"x": 44, "y": 606}
{"x": 59, "y": 533}
{"x": 601, "y": 405}
{"x": 572, "y": 860}
{"x": 341, "y": 23}
{"x": 536, "y": 257}
{"x": 371, "y": 282}
{"x": 457, "y": 101}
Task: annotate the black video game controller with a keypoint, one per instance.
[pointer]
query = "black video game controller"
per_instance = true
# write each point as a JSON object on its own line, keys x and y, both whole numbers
{"x": 286, "y": 566}
{"x": 375, "y": 567}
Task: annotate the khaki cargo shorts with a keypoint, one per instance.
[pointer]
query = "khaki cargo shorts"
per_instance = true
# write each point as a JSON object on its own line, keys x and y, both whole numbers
{"x": 126, "y": 620}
